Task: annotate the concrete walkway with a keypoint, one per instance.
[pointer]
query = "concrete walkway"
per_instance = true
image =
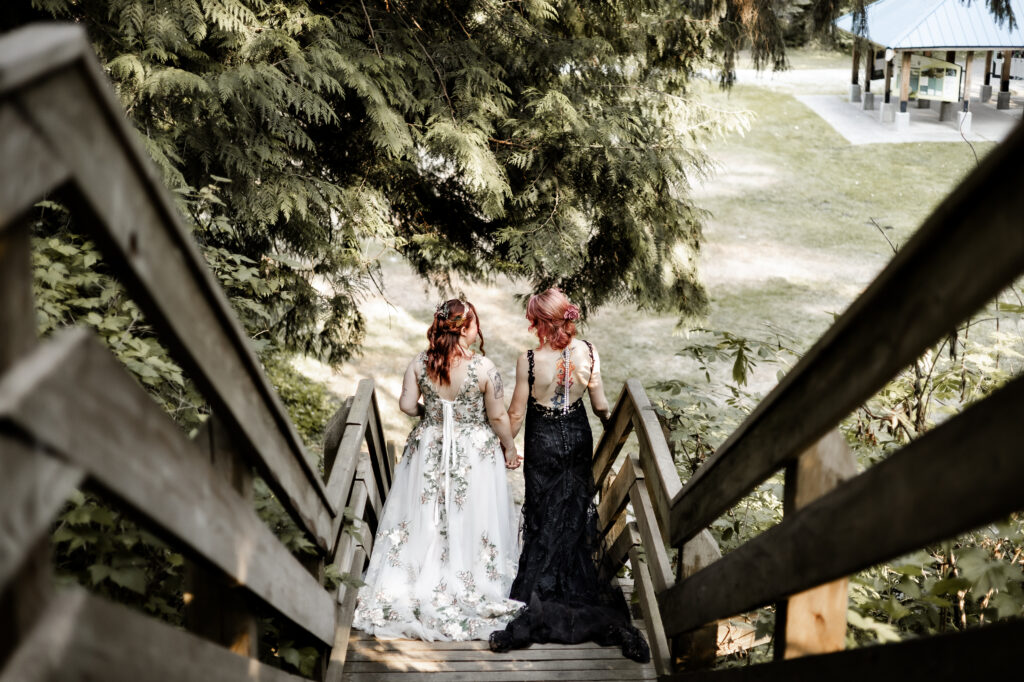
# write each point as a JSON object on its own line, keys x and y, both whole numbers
{"x": 823, "y": 91}
{"x": 864, "y": 127}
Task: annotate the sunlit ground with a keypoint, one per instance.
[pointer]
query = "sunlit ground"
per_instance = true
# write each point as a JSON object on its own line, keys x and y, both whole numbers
{"x": 790, "y": 242}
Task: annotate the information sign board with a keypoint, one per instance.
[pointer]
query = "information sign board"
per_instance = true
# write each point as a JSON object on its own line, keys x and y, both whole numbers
{"x": 934, "y": 79}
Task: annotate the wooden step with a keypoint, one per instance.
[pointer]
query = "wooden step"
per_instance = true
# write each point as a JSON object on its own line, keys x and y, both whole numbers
{"x": 412, "y": 660}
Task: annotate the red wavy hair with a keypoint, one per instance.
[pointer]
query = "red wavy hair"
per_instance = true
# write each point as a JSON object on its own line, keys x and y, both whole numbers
{"x": 553, "y": 318}
{"x": 443, "y": 336}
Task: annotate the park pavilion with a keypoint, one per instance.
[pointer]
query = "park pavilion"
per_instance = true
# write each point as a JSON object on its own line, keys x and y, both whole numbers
{"x": 912, "y": 35}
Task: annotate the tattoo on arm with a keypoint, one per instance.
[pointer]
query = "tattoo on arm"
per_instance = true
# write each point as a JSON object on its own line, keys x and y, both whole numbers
{"x": 499, "y": 389}
{"x": 405, "y": 392}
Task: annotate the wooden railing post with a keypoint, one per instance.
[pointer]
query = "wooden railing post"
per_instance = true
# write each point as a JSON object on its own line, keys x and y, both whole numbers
{"x": 698, "y": 648}
{"x": 814, "y": 621}
{"x": 216, "y": 609}
{"x": 24, "y": 596}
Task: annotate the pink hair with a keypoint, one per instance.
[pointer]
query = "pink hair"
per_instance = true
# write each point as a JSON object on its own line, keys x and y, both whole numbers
{"x": 553, "y": 318}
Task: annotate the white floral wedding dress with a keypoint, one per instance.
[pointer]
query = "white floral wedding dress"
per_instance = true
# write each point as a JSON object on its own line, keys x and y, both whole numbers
{"x": 446, "y": 549}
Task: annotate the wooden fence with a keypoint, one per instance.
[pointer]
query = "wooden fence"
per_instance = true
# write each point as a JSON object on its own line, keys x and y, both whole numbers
{"x": 967, "y": 472}
{"x": 71, "y": 415}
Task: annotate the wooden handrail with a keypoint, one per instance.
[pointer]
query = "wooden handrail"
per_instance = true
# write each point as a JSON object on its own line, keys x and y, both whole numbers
{"x": 646, "y": 482}
{"x": 52, "y": 146}
{"x": 970, "y": 248}
{"x": 964, "y": 473}
{"x": 958, "y": 476}
{"x": 70, "y": 414}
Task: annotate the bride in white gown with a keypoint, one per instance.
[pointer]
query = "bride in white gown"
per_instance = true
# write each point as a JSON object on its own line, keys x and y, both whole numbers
{"x": 446, "y": 548}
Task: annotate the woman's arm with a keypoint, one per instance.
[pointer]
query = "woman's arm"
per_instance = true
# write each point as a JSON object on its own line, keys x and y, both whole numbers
{"x": 494, "y": 403}
{"x": 598, "y": 401}
{"x": 409, "y": 402}
{"x": 517, "y": 409}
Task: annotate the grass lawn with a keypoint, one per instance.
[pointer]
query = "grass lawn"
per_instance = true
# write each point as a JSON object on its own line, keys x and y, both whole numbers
{"x": 789, "y": 242}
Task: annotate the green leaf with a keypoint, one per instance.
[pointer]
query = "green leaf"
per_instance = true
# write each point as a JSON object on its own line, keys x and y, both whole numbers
{"x": 950, "y": 586}
{"x": 98, "y": 573}
{"x": 131, "y": 578}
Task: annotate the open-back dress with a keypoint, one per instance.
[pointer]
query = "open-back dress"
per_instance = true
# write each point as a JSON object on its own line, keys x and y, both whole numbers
{"x": 558, "y": 578}
{"x": 445, "y": 550}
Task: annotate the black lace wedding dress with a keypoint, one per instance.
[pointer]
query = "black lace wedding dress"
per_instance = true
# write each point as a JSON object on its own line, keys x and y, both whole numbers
{"x": 566, "y": 602}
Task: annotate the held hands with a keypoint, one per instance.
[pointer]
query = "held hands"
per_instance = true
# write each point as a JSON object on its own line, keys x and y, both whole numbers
{"x": 512, "y": 458}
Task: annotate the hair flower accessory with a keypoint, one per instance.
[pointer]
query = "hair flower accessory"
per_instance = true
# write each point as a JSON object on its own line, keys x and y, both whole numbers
{"x": 572, "y": 313}
{"x": 442, "y": 310}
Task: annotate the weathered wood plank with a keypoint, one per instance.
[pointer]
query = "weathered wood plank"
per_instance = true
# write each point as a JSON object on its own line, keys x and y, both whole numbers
{"x": 28, "y": 586}
{"x": 17, "y": 304}
{"x": 662, "y": 479}
{"x": 35, "y": 487}
{"x": 343, "y": 630}
{"x": 497, "y": 663}
{"x": 814, "y": 621}
{"x": 392, "y": 461}
{"x": 365, "y": 417}
{"x": 964, "y": 473}
{"x": 28, "y": 170}
{"x": 617, "y": 549}
{"x": 613, "y": 438}
{"x": 933, "y": 280}
{"x": 73, "y": 396}
{"x": 661, "y": 654}
{"x": 37, "y": 50}
{"x": 343, "y": 470}
{"x": 358, "y": 636}
{"x": 359, "y": 651}
{"x": 81, "y": 637}
{"x": 615, "y": 498}
{"x": 333, "y": 433}
{"x": 219, "y": 610}
{"x": 149, "y": 248}
{"x": 641, "y": 673}
{"x": 374, "y": 502}
{"x": 651, "y": 536}
{"x": 697, "y": 648}
{"x": 979, "y": 654}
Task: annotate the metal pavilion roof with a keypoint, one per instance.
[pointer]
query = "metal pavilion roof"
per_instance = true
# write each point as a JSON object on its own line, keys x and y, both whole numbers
{"x": 938, "y": 24}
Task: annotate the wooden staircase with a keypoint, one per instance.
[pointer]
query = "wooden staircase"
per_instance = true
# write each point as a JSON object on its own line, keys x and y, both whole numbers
{"x": 413, "y": 660}
{"x": 72, "y": 416}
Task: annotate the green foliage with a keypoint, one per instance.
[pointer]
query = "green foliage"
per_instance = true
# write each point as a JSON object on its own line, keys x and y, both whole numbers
{"x": 310, "y": 405}
{"x": 98, "y": 546}
{"x": 967, "y": 581}
{"x": 72, "y": 286}
{"x": 551, "y": 141}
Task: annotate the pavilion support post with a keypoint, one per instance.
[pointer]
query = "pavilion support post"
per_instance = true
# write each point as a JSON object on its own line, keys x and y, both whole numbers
{"x": 855, "y": 72}
{"x": 903, "y": 116}
{"x": 868, "y": 98}
{"x": 964, "y": 116}
{"x": 924, "y": 103}
{"x": 947, "y": 109}
{"x": 887, "y": 111}
{"x": 986, "y": 86}
{"x": 1003, "y": 101}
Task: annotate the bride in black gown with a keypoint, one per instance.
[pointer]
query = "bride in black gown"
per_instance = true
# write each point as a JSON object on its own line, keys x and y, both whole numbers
{"x": 566, "y": 602}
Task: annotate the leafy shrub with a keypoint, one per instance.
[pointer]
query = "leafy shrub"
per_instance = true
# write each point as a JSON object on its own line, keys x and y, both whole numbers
{"x": 967, "y": 581}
